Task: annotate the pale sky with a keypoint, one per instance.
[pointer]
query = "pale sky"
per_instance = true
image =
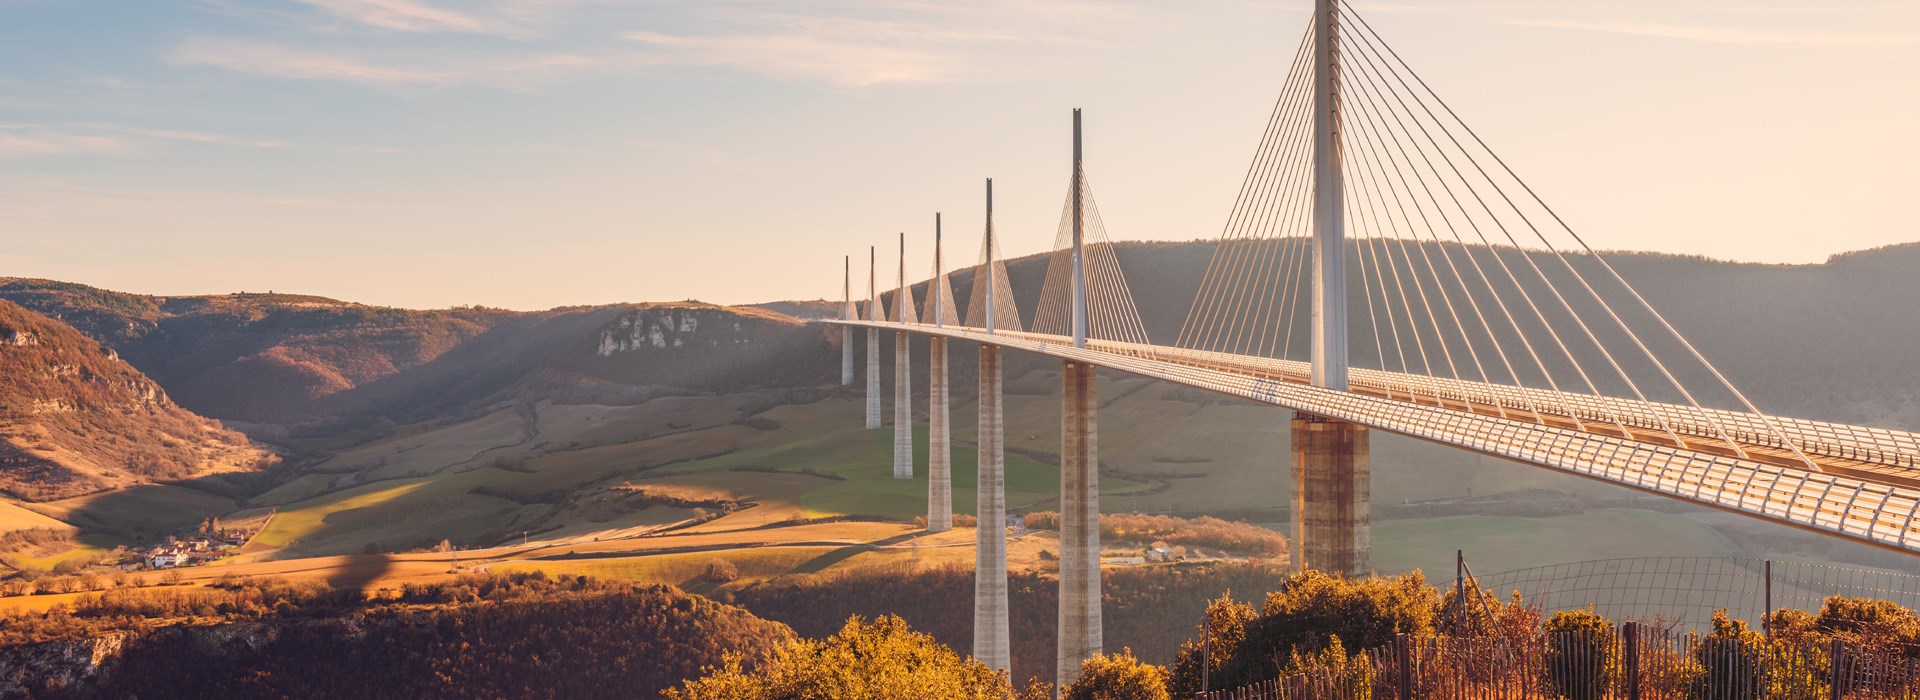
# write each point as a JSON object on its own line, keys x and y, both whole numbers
{"x": 535, "y": 153}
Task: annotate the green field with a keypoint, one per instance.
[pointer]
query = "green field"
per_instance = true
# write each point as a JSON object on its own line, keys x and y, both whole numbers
{"x": 1498, "y": 543}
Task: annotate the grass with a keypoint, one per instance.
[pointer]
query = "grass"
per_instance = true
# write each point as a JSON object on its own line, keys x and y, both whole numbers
{"x": 86, "y": 545}
{"x": 1501, "y": 543}
{"x": 429, "y": 452}
{"x": 304, "y": 487}
{"x": 688, "y": 571}
{"x": 291, "y": 525}
{"x": 153, "y": 508}
{"x": 14, "y": 517}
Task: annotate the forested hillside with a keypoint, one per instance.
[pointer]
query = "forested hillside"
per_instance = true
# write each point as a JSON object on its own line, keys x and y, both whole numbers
{"x": 478, "y": 636}
{"x": 76, "y": 419}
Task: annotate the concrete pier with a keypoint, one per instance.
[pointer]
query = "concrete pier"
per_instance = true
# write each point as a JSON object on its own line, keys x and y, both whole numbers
{"x": 1079, "y": 624}
{"x": 939, "y": 441}
{"x": 846, "y": 356}
{"x": 902, "y": 407}
{"x": 873, "y": 379}
{"x": 990, "y": 637}
{"x": 1332, "y": 520}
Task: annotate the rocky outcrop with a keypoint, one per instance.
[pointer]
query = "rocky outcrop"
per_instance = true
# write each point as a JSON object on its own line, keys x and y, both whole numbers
{"x": 62, "y": 664}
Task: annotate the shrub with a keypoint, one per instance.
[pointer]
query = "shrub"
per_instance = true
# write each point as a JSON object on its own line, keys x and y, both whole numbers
{"x": 1735, "y": 663}
{"x": 1311, "y": 612}
{"x": 1582, "y": 653}
{"x": 880, "y": 659}
{"x": 1352, "y": 674}
{"x": 721, "y": 571}
{"x": 1204, "y": 531}
{"x": 1223, "y": 631}
{"x": 1118, "y": 677}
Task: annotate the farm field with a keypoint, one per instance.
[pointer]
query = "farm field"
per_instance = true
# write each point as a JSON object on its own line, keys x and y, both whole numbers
{"x": 1502, "y": 543}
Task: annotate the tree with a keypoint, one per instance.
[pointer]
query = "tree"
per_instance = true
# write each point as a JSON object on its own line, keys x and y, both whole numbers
{"x": 882, "y": 659}
{"x": 1312, "y": 610}
{"x": 1221, "y": 634}
{"x": 1118, "y": 677}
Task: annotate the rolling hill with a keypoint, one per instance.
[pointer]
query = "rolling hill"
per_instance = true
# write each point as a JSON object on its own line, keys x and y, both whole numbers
{"x": 75, "y": 419}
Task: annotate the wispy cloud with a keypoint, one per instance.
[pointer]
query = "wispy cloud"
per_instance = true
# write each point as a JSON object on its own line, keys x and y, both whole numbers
{"x": 33, "y": 141}
{"x": 515, "y": 70}
{"x": 401, "y": 15}
{"x": 63, "y": 139}
{"x": 846, "y": 43}
{"x": 800, "y": 56}
{"x": 191, "y": 136}
{"x": 1729, "y": 35}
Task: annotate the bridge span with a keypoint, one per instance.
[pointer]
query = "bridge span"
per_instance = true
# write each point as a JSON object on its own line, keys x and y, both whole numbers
{"x": 1490, "y": 325}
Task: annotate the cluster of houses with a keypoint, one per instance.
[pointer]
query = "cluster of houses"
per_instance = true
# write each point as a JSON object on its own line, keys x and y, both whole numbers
{"x": 192, "y": 550}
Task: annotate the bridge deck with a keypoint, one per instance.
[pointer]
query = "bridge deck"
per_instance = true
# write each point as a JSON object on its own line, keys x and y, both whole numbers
{"x": 1867, "y": 487}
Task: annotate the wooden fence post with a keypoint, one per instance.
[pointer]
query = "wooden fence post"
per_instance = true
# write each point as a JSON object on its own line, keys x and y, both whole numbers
{"x": 1632, "y": 632}
{"x": 1836, "y": 666}
{"x": 1403, "y": 657}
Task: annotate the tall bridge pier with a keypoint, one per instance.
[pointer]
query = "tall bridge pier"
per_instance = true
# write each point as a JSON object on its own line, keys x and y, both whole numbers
{"x": 873, "y": 344}
{"x": 846, "y": 334}
{"x": 1331, "y": 523}
{"x": 939, "y": 434}
{"x": 1080, "y": 635}
{"x": 991, "y": 640}
{"x": 991, "y": 644}
{"x": 1331, "y": 507}
{"x": 902, "y": 379}
{"x": 1079, "y": 624}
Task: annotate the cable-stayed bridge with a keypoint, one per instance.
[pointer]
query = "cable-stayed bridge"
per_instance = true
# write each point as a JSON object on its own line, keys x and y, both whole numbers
{"x": 1381, "y": 269}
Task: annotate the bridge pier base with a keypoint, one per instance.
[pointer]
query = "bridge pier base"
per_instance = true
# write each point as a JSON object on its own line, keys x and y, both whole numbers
{"x": 902, "y": 407}
{"x": 990, "y": 636}
{"x": 873, "y": 379}
{"x": 1332, "y": 520}
{"x": 939, "y": 442}
{"x": 846, "y": 356}
{"x": 1079, "y": 625}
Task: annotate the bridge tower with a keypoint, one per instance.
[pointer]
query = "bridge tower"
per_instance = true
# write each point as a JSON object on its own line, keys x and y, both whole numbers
{"x": 846, "y": 335}
{"x": 991, "y": 644}
{"x": 939, "y": 444}
{"x": 902, "y": 376}
{"x": 873, "y": 340}
{"x": 1331, "y": 484}
{"x": 1080, "y": 634}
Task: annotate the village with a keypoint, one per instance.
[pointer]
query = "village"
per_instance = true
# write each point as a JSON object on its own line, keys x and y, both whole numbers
{"x": 212, "y": 541}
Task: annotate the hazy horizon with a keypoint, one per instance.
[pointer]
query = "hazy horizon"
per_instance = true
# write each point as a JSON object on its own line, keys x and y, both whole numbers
{"x": 529, "y": 154}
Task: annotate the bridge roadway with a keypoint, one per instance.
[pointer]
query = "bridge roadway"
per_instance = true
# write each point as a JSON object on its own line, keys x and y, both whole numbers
{"x": 1866, "y": 489}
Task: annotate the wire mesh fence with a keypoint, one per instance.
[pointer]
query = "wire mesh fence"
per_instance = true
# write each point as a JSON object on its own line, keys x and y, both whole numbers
{"x": 1632, "y": 662}
{"x": 1684, "y": 592}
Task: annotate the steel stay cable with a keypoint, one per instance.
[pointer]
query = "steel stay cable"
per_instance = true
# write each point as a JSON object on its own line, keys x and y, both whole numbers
{"x": 1361, "y": 187}
{"x": 1367, "y": 109}
{"x": 1122, "y": 313}
{"x": 1190, "y": 328}
{"x": 1291, "y": 268}
{"x": 1366, "y": 287}
{"x": 1253, "y": 218}
{"x": 1369, "y": 158}
{"x": 1279, "y": 194}
{"x": 1231, "y": 250}
{"x": 1282, "y": 216}
{"x": 1499, "y": 260}
{"x": 1524, "y": 255}
{"x": 1787, "y": 440}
